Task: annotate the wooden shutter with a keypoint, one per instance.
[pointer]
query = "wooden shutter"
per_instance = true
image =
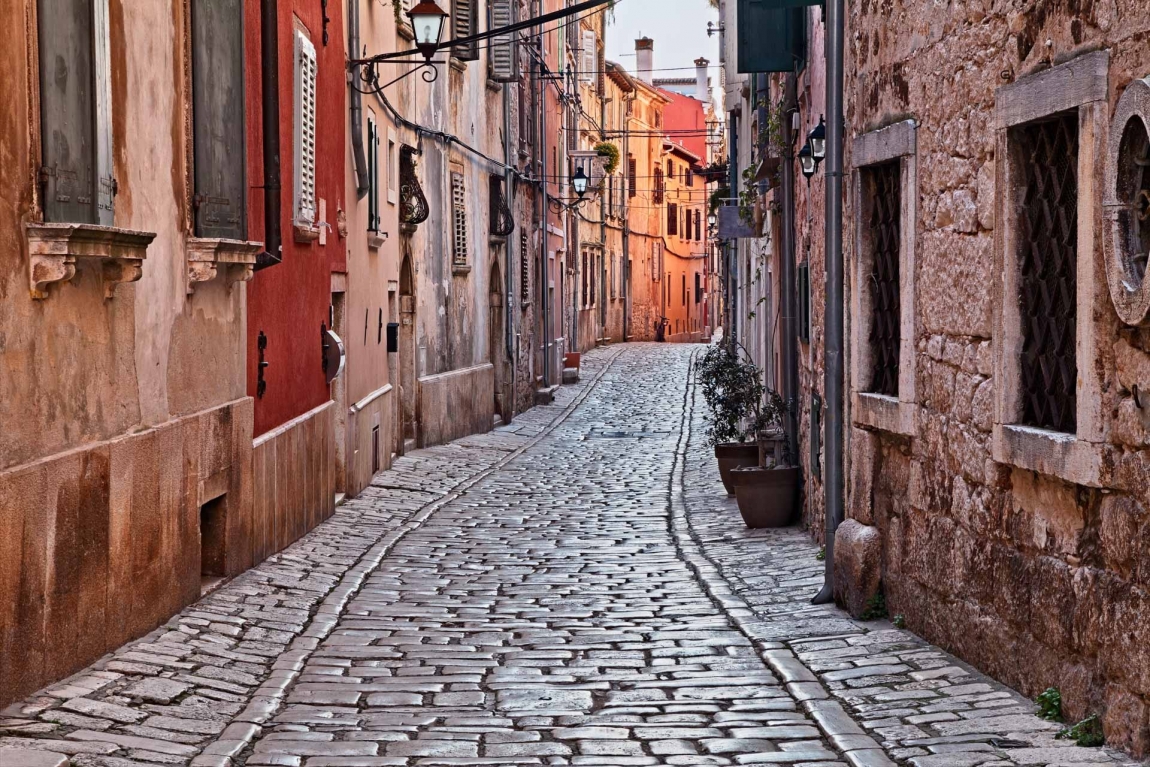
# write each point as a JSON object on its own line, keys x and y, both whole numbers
{"x": 459, "y": 219}
{"x": 601, "y": 73}
{"x": 304, "y": 172}
{"x": 372, "y": 175}
{"x": 631, "y": 172}
{"x": 501, "y": 54}
{"x": 587, "y": 57}
{"x": 68, "y": 109}
{"x": 463, "y": 24}
{"x": 672, "y": 219}
{"x": 218, "y": 119}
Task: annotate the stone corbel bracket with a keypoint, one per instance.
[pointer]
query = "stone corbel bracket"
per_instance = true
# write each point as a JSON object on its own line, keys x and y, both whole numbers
{"x": 1129, "y": 292}
{"x": 54, "y": 250}
{"x": 208, "y": 256}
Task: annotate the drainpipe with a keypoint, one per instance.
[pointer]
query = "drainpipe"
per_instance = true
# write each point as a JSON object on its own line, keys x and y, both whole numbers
{"x": 626, "y": 218}
{"x": 508, "y": 281}
{"x": 361, "y": 181}
{"x": 603, "y": 227}
{"x": 787, "y": 273}
{"x": 270, "y": 103}
{"x": 833, "y": 375}
{"x": 544, "y": 232}
{"x": 733, "y": 247}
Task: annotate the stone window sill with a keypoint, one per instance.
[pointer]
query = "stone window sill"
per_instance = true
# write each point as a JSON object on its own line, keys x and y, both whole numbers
{"x": 375, "y": 240}
{"x": 1054, "y": 454}
{"x": 460, "y": 270}
{"x": 305, "y": 234}
{"x": 55, "y": 249}
{"x": 884, "y": 413}
{"x": 403, "y": 29}
{"x": 208, "y": 256}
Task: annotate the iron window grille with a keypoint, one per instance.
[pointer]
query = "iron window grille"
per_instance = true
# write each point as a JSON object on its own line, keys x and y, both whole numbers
{"x": 502, "y": 222}
{"x": 524, "y": 267}
{"x": 884, "y": 192}
{"x": 1047, "y": 160}
{"x": 413, "y": 207}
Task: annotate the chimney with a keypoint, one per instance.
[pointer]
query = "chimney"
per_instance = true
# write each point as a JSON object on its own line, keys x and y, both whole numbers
{"x": 644, "y": 58}
{"x": 702, "y": 82}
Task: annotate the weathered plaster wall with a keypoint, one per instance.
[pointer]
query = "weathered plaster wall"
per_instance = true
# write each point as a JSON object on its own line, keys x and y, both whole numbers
{"x": 1040, "y": 582}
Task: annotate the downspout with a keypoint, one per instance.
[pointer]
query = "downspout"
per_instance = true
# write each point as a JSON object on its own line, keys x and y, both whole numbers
{"x": 602, "y": 224}
{"x": 733, "y": 253}
{"x": 544, "y": 228}
{"x": 790, "y": 328}
{"x": 626, "y": 219}
{"x": 833, "y": 376}
{"x": 362, "y": 182}
{"x": 508, "y": 281}
{"x": 270, "y": 104}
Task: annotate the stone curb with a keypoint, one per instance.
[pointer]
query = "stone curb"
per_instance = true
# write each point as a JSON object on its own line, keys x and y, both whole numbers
{"x": 247, "y": 725}
{"x": 833, "y": 721}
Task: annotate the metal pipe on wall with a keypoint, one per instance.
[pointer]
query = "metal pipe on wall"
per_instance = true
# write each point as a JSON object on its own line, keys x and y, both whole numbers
{"x": 270, "y": 104}
{"x": 833, "y": 378}
{"x": 508, "y": 250}
{"x": 789, "y": 330}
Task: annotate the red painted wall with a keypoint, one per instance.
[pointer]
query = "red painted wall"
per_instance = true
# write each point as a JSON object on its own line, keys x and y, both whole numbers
{"x": 686, "y": 113}
{"x": 290, "y": 301}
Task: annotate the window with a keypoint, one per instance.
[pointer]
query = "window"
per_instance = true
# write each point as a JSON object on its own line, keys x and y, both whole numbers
{"x": 689, "y": 178}
{"x": 584, "y": 273}
{"x": 657, "y": 196}
{"x": 304, "y": 168}
{"x": 631, "y": 171}
{"x": 372, "y": 175}
{"x": 881, "y": 187}
{"x": 670, "y": 170}
{"x": 672, "y": 219}
{"x": 698, "y": 287}
{"x": 803, "y": 284}
{"x": 1047, "y": 260}
{"x": 684, "y": 290}
{"x": 524, "y": 267}
{"x": 219, "y": 178}
{"x": 392, "y": 169}
{"x": 698, "y": 226}
{"x": 459, "y": 249}
{"x": 464, "y": 23}
{"x": 75, "y": 112}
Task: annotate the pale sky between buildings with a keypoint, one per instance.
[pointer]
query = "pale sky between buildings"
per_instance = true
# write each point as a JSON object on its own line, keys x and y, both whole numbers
{"x": 679, "y": 29}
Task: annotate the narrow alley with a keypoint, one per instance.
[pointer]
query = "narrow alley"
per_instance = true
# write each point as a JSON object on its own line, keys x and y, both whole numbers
{"x": 468, "y": 608}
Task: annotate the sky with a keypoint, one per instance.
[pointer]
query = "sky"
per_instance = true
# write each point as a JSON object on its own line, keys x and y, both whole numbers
{"x": 678, "y": 27}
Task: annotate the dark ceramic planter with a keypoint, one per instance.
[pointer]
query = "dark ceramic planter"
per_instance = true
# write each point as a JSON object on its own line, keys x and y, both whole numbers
{"x": 767, "y": 497}
{"x": 735, "y": 455}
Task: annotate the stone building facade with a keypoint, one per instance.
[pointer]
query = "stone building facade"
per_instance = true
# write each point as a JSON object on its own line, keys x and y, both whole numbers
{"x": 998, "y": 443}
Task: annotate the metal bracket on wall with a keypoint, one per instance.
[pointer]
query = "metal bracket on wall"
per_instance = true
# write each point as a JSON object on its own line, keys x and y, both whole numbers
{"x": 261, "y": 384}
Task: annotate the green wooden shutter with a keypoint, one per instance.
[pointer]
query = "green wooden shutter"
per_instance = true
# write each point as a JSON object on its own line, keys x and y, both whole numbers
{"x": 218, "y": 119}
{"x": 770, "y": 39}
{"x": 372, "y": 176}
{"x": 464, "y": 23}
{"x": 68, "y": 110}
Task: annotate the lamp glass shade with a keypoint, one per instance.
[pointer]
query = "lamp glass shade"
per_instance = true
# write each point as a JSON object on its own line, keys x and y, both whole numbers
{"x": 579, "y": 181}
{"x": 818, "y": 140}
{"x": 427, "y": 23}
{"x": 807, "y": 161}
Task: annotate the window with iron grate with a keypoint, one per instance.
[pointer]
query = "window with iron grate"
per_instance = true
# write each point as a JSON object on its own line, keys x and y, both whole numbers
{"x": 883, "y": 190}
{"x": 524, "y": 267}
{"x": 1047, "y": 159}
{"x": 459, "y": 255}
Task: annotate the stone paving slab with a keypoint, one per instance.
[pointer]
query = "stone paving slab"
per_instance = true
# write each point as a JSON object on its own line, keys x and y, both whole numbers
{"x": 574, "y": 589}
{"x": 921, "y": 705}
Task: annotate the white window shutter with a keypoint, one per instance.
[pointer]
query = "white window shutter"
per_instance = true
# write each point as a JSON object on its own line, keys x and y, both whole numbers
{"x": 501, "y": 54}
{"x": 464, "y": 24}
{"x": 304, "y": 170}
{"x": 587, "y": 58}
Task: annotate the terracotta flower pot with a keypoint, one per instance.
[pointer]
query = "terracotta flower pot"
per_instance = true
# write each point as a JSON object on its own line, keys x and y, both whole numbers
{"x": 734, "y": 455}
{"x": 767, "y": 497}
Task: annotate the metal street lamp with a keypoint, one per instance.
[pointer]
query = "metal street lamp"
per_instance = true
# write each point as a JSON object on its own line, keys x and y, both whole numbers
{"x": 807, "y": 161}
{"x": 427, "y": 22}
{"x": 579, "y": 181}
{"x": 818, "y": 140}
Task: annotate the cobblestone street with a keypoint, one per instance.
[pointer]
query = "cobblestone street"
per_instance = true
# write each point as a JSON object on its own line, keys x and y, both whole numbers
{"x": 573, "y": 589}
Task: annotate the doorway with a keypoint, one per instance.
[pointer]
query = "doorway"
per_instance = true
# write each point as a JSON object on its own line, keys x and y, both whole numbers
{"x": 407, "y": 376}
{"x": 495, "y": 335}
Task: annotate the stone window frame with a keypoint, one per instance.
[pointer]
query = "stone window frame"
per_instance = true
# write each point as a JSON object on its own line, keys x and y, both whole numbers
{"x": 1081, "y": 85}
{"x": 897, "y": 415}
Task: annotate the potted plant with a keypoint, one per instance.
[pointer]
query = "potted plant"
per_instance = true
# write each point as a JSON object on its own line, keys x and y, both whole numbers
{"x": 768, "y": 492}
{"x": 733, "y": 391}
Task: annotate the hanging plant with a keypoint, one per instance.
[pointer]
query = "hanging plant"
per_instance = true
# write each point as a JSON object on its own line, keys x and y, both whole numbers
{"x": 611, "y": 152}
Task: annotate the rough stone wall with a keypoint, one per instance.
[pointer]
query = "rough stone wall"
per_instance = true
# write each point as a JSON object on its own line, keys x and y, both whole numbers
{"x": 1039, "y": 582}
